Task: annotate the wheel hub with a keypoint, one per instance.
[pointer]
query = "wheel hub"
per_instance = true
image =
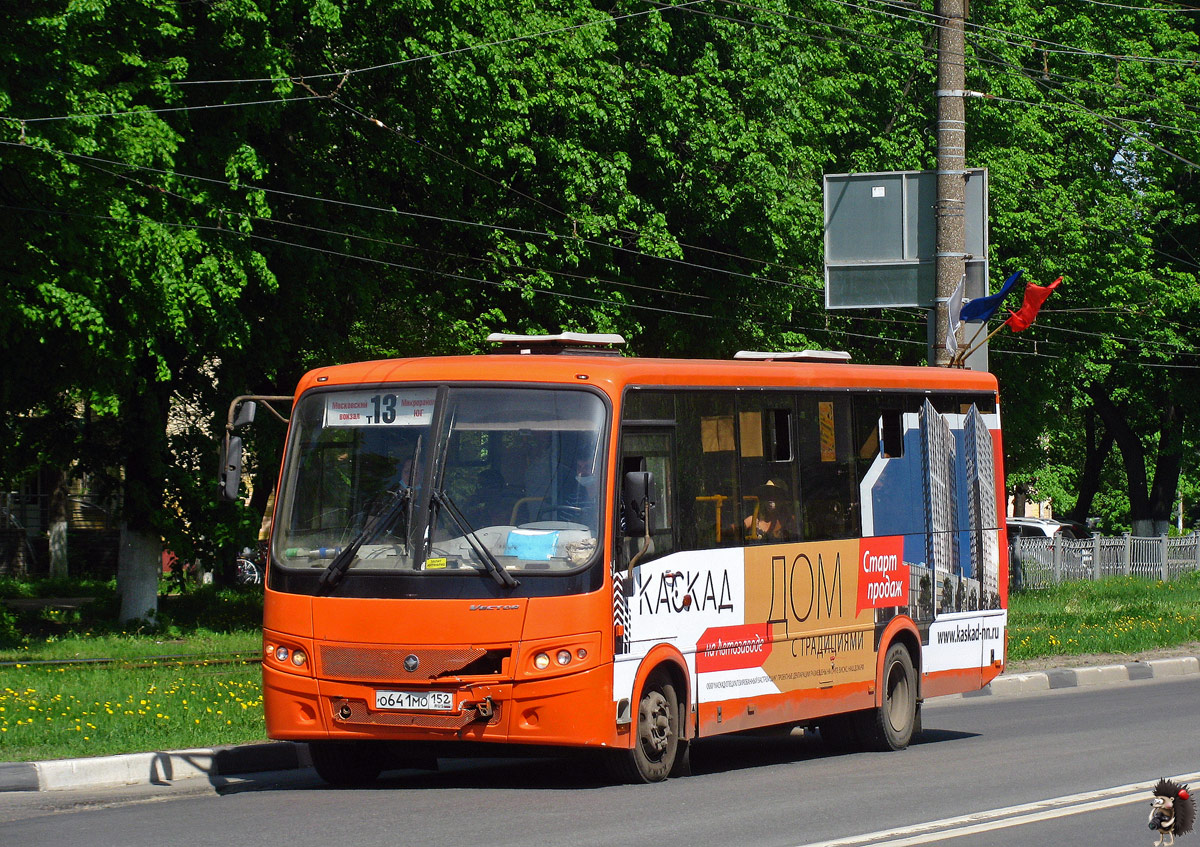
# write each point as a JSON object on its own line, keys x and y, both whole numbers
{"x": 656, "y": 725}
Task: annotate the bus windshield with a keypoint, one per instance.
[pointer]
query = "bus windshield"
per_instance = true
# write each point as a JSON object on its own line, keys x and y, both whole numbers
{"x": 443, "y": 480}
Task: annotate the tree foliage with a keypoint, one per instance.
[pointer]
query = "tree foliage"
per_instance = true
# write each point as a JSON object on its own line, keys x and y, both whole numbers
{"x": 207, "y": 199}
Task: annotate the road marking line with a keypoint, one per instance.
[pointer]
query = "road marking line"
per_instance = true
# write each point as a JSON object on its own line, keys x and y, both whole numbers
{"x": 1071, "y": 804}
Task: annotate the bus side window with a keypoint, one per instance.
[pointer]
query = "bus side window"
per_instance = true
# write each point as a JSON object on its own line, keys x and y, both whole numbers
{"x": 877, "y": 426}
{"x": 828, "y": 475}
{"x": 649, "y": 451}
{"x": 770, "y": 504}
{"x": 708, "y": 495}
{"x": 893, "y": 434}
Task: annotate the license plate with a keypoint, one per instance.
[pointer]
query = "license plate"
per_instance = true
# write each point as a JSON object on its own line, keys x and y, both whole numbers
{"x": 416, "y": 701}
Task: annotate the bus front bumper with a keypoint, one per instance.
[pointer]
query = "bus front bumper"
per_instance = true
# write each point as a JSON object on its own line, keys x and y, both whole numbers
{"x": 573, "y": 709}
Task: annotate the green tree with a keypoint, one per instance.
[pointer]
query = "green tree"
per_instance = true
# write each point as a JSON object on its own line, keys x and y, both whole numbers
{"x": 1086, "y": 172}
{"x": 412, "y": 175}
{"x": 121, "y": 291}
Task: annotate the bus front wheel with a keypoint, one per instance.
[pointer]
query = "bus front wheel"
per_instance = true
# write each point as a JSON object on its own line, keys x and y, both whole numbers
{"x": 347, "y": 763}
{"x": 657, "y": 743}
{"x": 891, "y": 726}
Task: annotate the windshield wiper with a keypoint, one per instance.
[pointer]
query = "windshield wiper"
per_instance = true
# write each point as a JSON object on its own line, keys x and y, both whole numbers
{"x": 497, "y": 570}
{"x": 341, "y": 563}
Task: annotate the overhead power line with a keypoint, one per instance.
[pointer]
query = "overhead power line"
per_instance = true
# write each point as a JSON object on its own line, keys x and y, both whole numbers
{"x": 907, "y": 12}
{"x": 159, "y": 111}
{"x": 1110, "y": 122}
{"x": 629, "y": 304}
{"x": 1005, "y": 67}
{"x": 465, "y": 278}
{"x": 422, "y": 216}
{"x": 1179, "y": 9}
{"x": 426, "y": 57}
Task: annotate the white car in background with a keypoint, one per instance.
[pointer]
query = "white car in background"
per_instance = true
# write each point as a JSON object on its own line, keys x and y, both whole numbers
{"x": 1044, "y": 528}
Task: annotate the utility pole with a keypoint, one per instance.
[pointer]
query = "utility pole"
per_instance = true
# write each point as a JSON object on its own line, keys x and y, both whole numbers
{"x": 951, "y": 235}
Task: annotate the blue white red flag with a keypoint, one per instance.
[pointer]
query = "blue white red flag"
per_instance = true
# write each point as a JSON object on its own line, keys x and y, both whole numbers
{"x": 981, "y": 309}
{"x": 953, "y": 309}
{"x": 1035, "y": 296}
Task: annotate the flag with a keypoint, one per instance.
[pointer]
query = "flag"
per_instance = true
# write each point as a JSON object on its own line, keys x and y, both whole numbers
{"x": 953, "y": 307}
{"x": 1035, "y": 296}
{"x": 981, "y": 309}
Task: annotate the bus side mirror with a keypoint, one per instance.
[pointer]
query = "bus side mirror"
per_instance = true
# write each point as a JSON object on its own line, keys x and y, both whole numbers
{"x": 231, "y": 468}
{"x": 245, "y": 414}
{"x": 639, "y": 499}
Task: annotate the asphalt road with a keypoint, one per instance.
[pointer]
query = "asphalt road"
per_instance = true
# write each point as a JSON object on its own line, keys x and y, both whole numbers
{"x": 1061, "y": 767}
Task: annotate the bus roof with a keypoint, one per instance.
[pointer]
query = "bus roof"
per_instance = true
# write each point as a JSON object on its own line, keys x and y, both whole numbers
{"x": 615, "y": 372}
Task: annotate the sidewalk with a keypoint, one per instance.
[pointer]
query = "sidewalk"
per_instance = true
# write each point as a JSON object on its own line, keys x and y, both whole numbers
{"x": 165, "y": 768}
{"x": 1024, "y": 683}
{"x": 162, "y": 768}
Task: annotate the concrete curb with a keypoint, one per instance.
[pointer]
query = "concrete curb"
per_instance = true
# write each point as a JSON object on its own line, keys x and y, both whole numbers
{"x": 1025, "y": 683}
{"x": 160, "y": 768}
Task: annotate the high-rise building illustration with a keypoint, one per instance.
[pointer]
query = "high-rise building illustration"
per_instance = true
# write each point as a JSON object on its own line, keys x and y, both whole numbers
{"x": 982, "y": 506}
{"x": 939, "y": 488}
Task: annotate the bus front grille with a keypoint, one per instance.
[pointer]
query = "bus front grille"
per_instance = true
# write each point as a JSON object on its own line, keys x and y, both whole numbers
{"x": 401, "y": 663}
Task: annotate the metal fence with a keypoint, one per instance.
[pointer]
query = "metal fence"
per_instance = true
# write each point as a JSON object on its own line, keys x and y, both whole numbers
{"x": 1042, "y": 562}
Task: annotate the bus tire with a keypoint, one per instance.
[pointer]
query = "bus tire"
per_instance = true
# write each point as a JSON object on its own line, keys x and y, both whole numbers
{"x": 656, "y": 742}
{"x": 347, "y": 763}
{"x": 683, "y": 760}
{"x": 892, "y": 724}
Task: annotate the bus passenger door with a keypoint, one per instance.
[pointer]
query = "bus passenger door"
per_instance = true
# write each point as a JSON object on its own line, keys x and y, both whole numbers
{"x": 654, "y": 614}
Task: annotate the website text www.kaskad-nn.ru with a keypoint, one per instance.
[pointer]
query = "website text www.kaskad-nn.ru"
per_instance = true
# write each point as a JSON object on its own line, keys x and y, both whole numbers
{"x": 967, "y": 634}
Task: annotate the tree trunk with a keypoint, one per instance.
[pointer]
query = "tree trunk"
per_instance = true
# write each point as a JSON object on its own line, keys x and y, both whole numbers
{"x": 138, "y": 570}
{"x": 1149, "y": 503}
{"x": 1149, "y": 528}
{"x": 143, "y": 451}
{"x": 1167, "y": 467}
{"x": 1020, "y": 498}
{"x": 59, "y": 520}
{"x": 1093, "y": 465}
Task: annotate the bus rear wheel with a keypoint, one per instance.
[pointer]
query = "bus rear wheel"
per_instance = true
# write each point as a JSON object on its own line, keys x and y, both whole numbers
{"x": 347, "y": 763}
{"x": 891, "y": 726}
{"x": 657, "y": 743}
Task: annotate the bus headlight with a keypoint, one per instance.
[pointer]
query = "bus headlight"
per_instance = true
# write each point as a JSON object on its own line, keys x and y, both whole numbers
{"x": 286, "y": 653}
{"x": 554, "y": 656}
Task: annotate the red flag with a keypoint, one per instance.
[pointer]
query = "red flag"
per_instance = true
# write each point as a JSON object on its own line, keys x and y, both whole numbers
{"x": 1035, "y": 296}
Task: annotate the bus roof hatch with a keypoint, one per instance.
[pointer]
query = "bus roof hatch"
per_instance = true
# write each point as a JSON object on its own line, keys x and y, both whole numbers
{"x": 563, "y": 342}
{"x": 830, "y": 356}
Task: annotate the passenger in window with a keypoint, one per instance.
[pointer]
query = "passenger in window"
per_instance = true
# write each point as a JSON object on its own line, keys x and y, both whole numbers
{"x": 493, "y": 505}
{"x": 585, "y": 482}
{"x": 772, "y": 520}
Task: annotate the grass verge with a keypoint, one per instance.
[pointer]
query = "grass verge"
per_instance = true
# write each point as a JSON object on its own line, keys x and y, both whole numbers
{"x": 61, "y": 711}
{"x": 189, "y": 679}
{"x": 1122, "y": 615}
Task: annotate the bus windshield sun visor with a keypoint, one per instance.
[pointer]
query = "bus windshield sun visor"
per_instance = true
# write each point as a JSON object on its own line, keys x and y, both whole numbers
{"x": 341, "y": 563}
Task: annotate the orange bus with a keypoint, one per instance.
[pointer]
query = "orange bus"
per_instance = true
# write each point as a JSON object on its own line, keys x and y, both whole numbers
{"x": 556, "y": 545}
